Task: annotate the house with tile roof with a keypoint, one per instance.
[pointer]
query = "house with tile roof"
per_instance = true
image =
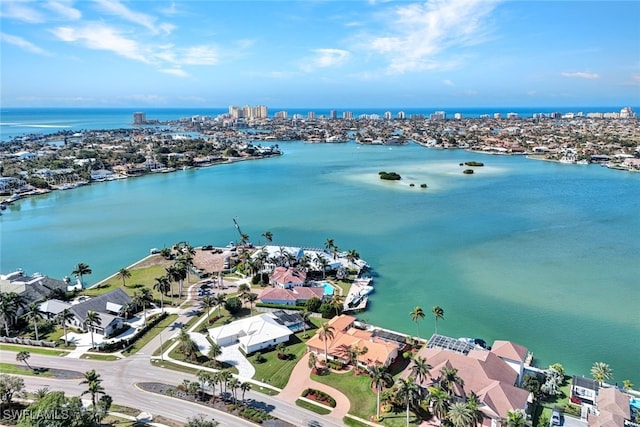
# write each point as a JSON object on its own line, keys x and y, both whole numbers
{"x": 490, "y": 375}
{"x": 287, "y": 277}
{"x": 612, "y": 409}
{"x": 346, "y": 336}
{"x": 296, "y": 296}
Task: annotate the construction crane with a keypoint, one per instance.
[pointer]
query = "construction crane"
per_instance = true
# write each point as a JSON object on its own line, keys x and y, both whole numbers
{"x": 244, "y": 238}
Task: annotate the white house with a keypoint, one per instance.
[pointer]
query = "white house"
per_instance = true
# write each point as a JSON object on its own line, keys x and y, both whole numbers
{"x": 252, "y": 333}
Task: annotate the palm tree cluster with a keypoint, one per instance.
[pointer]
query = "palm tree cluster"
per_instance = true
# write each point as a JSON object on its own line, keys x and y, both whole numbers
{"x": 418, "y": 314}
{"x": 443, "y": 395}
{"x": 225, "y": 381}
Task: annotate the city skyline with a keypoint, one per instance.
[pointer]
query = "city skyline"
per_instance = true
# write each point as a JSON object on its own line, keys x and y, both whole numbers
{"x": 459, "y": 53}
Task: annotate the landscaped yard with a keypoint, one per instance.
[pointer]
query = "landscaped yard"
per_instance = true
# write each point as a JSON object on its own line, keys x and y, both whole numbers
{"x": 151, "y": 334}
{"x": 356, "y": 388}
{"x": 33, "y": 349}
{"x": 275, "y": 371}
{"x": 142, "y": 277}
{"x": 8, "y": 368}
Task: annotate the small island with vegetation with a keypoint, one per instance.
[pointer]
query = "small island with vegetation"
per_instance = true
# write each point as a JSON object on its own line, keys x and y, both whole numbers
{"x": 390, "y": 176}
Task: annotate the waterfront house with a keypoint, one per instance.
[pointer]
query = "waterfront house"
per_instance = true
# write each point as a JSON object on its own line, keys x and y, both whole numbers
{"x": 612, "y": 409}
{"x": 287, "y": 277}
{"x": 291, "y": 319}
{"x": 252, "y": 333}
{"x": 584, "y": 389}
{"x": 295, "y": 296}
{"x": 492, "y": 375}
{"x": 110, "y": 307}
{"x": 34, "y": 288}
{"x": 376, "y": 351}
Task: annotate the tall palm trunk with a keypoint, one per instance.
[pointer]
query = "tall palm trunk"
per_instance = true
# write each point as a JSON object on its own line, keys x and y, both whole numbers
{"x": 35, "y": 327}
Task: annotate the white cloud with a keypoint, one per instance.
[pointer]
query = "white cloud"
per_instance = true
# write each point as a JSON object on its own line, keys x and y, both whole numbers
{"x": 581, "y": 75}
{"x": 147, "y": 21}
{"x": 195, "y": 55}
{"x": 101, "y": 37}
{"x": 419, "y": 34}
{"x": 64, "y": 9}
{"x": 22, "y": 43}
{"x": 175, "y": 72}
{"x": 20, "y": 11}
{"x": 326, "y": 58}
{"x": 448, "y": 82}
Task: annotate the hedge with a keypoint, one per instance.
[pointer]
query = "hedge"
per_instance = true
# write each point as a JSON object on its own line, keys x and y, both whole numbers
{"x": 282, "y": 306}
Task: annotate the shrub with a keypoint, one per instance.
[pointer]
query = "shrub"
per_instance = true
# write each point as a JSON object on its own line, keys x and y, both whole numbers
{"x": 259, "y": 358}
{"x": 423, "y": 185}
{"x": 313, "y": 304}
{"x": 474, "y": 163}
{"x": 468, "y": 171}
{"x": 283, "y": 306}
{"x": 412, "y": 185}
{"x": 256, "y": 279}
{"x": 233, "y": 305}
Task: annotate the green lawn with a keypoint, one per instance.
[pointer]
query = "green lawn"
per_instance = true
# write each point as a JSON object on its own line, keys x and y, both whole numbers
{"x": 33, "y": 349}
{"x": 275, "y": 371}
{"x": 8, "y": 368}
{"x": 141, "y": 277}
{"x": 356, "y": 388}
{"x": 150, "y": 334}
{"x": 311, "y": 407}
{"x": 103, "y": 357}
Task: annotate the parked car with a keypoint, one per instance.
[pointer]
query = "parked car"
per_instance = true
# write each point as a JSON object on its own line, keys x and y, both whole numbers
{"x": 555, "y": 418}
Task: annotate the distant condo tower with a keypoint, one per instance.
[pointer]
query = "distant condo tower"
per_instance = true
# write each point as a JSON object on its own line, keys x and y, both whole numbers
{"x": 139, "y": 118}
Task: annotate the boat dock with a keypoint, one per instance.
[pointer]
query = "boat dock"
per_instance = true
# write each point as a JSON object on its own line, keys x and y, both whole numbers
{"x": 358, "y": 295}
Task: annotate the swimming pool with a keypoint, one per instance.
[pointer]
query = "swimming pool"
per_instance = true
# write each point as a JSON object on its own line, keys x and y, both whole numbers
{"x": 635, "y": 403}
{"x": 328, "y": 288}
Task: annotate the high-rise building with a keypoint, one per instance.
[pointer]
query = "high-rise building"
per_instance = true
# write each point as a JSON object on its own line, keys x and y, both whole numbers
{"x": 347, "y": 115}
{"x": 401, "y": 115}
{"x": 438, "y": 115}
{"x": 311, "y": 115}
{"x": 260, "y": 112}
{"x": 497, "y": 115}
{"x": 333, "y": 114}
{"x": 387, "y": 115}
{"x": 139, "y": 118}
{"x": 234, "y": 111}
{"x": 457, "y": 116}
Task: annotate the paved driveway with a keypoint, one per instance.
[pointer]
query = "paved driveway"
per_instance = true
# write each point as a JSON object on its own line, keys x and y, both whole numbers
{"x": 232, "y": 355}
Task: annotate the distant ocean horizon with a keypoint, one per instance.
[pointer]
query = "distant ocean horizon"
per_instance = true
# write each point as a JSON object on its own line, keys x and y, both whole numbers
{"x": 20, "y": 121}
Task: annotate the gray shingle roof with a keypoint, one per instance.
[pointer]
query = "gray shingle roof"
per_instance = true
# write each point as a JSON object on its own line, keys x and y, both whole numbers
{"x": 99, "y": 303}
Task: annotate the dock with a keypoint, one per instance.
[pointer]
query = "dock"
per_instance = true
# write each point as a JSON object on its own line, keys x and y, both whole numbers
{"x": 358, "y": 295}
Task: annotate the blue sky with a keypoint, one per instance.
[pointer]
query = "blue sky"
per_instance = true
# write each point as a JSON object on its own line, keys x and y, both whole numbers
{"x": 315, "y": 53}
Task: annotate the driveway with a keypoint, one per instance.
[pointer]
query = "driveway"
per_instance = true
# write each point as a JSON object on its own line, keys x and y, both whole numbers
{"x": 232, "y": 355}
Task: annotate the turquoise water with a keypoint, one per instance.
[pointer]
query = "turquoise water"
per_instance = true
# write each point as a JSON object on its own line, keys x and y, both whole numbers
{"x": 539, "y": 253}
{"x": 328, "y": 289}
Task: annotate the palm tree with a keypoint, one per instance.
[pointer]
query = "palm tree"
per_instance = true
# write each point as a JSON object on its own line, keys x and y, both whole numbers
{"x": 173, "y": 275}
{"x": 81, "y": 270}
{"x": 329, "y": 244}
{"x": 322, "y": 264}
{"x": 214, "y": 351}
{"x": 63, "y": 317}
{"x": 143, "y": 298}
{"x": 94, "y": 387}
{"x": 420, "y": 369}
{"x": 438, "y": 313}
{"x": 601, "y": 371}
{"x": 337, "y": 302}
{"x": 10, "y": 303}
{"x": 188, "y": 347}
{"x": 181, "y": 274}
{"x": 251, "y": 298}
{"x": 380, "y": 377}
{"x": 449, "y": 378}
{"x": 312, "y": 361}
{"x": 306, "y": 315}
{"x": 204, "y": 377}
{"x": 92, "y": 319}
{"x": 439, "y": 401}
{"x": 208, "y": 302}
{"x": 245, "y": 386}
{"x": 516, "y": 418}
{"x": 225, "y": 377}
{"x": 268, "y": 236}
{"x": 234, "y": 385}
{"x": 34, "y": 314}
{"x": 408, "y": 391}
{"x": 325, "y": 333}
{"x": 460, "y": 416}
{"x": 23, "y": 356}
{"x": 474, "y": 406}
{"x": 352, "y": 255}
{"x": 123, "y": 274}
{"x": 162, "y": 286}
{"x": 220, "y": 300}
{"x": 417, "y": 314}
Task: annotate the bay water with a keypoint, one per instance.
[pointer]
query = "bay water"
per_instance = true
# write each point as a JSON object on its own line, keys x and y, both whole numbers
{"x": 543, "y": 254}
